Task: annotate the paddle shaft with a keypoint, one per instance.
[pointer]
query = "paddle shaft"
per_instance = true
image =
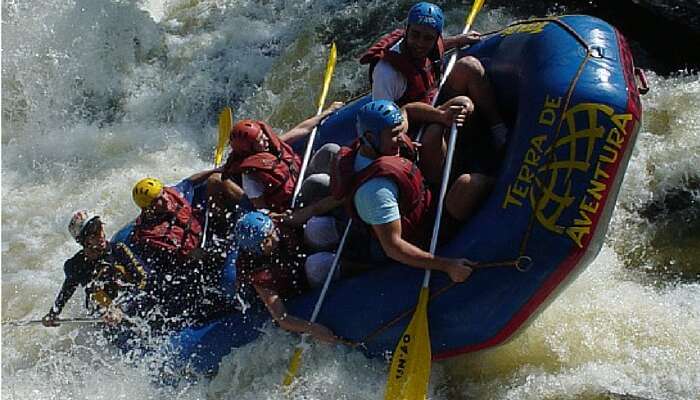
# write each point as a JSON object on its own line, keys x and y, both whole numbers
{"x": 447, "y": 168}
{"x": 60, "y": 321}
{"x": 329, "y": 277}
{"x": 296, "y": 357}
{"x": 409, "y": 373}
{"x": 453, "y": 57}
{"x": 217, "y": 159}
{"x": 330, "y": 66}
{"x": 304, "y": 164}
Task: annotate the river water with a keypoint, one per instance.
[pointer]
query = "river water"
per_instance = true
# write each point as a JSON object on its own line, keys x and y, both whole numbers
{"x": 96, "y": 95}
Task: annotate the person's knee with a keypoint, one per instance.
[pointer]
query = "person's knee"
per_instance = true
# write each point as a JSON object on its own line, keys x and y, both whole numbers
{"x": 325, "y": 155}
{"x": 317, "y": 267}
{"x": 322, "y": 160}
{"x": 213, "y": 182}
{"x": 321, "y": 233}
{"x": 317, "y": 180}
{"x": 475, "y": 181}
{"x": 475, "y": 185}
{"x": 314, "y": 188}
{"x": 466, "y": 194}
{"x": 330, "y": 148}
{"x": 469, "y": 67}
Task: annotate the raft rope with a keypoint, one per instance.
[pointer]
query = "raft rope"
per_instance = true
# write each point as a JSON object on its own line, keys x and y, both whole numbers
{"x": 522, "y": 263}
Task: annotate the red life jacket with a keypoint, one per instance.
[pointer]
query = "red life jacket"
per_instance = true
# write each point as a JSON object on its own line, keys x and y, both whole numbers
{"x": 414, "y": 196}
{"x": 277, "y": 170}
{"x": 422, "y": 77}
{"x": 172, "y": 228}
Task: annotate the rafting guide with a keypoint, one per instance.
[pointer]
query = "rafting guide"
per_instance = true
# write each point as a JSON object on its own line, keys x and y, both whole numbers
{"x": 106, "y": 270}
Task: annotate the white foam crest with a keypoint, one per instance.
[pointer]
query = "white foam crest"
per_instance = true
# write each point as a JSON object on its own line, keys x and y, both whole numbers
{"x": 668, "y": 149}
{"x": 255, "y": 371}
{"x": 605, "y": 333}
{"x": 88, "y": 151}
{"x": 78, "y": 363}
{"x": 68, "y": 60}
{"x": 219, "y": 53}
{"x": 156, "y": 8}
{"x": 655, "y": 217}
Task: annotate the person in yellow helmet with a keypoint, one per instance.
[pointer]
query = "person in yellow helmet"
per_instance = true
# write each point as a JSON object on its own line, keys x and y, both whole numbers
{"x": 106, "y": 270}
{"x": 168, "y": 225}
{"x": 167, "y": 235}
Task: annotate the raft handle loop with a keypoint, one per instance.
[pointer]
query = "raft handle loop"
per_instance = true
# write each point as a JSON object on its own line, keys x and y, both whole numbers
{"x": 597, "y": 51}
{"x": 524, "y": 263}
{"x": 644, "y": 88}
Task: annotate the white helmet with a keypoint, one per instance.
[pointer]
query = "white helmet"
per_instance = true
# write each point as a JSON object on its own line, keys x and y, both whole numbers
{"x": 80, "y": 220}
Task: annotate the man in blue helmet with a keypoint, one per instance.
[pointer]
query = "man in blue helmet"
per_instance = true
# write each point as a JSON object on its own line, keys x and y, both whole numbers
{"x": 272, "y": 264}
{"x": 383, "y": 189}
{"x": 406, "y": 67}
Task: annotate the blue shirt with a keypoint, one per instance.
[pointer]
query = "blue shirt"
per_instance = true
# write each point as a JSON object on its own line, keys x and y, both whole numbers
{"x": 376, "y": 200}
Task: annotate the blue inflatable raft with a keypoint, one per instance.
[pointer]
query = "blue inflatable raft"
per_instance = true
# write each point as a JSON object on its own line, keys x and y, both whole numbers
{"x": 569, "y": 90}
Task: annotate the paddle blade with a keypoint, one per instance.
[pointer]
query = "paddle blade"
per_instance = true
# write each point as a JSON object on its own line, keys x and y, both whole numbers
{"x": 225, "y": 124}
{"x": 475, "y": 10}
{"x": 293, "y": 367}
{"x": 330, "y": 67}
{"x": 410, "y": 366}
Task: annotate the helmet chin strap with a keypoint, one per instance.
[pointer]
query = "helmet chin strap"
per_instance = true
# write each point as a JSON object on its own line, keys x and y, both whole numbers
{"x": 371, "y": 145}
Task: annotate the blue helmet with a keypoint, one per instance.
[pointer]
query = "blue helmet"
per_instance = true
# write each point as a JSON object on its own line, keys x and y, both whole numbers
{"x": 428, "y": 14}
{"x": 374, "y": 117}
{"x": 252, "y": 229}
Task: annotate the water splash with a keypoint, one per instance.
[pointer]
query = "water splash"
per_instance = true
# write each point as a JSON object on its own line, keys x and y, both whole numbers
{"x": 96, "y": 96}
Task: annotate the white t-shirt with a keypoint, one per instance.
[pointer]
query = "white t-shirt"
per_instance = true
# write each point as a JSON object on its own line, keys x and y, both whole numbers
{"x": 252, "y": 188}
{"x": 387, "y": 82}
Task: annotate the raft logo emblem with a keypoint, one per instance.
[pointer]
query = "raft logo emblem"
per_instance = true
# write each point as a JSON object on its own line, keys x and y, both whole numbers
{"x": 532, "y": 28}
{"x": 566, "y": 183}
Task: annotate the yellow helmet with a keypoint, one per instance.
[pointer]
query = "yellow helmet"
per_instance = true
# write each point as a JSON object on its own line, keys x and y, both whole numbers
{"x": 146, "y": 190}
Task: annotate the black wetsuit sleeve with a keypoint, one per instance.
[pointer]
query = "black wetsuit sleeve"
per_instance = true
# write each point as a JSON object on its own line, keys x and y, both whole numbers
{"x": 70, "y": 283}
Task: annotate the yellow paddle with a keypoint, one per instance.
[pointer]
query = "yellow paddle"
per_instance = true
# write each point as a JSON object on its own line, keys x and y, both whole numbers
{"x": 330, "y": 67}
{"x": 409, "y": 373}
{"x": 296, "y": 358}
{"x": 225, "y": 125}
